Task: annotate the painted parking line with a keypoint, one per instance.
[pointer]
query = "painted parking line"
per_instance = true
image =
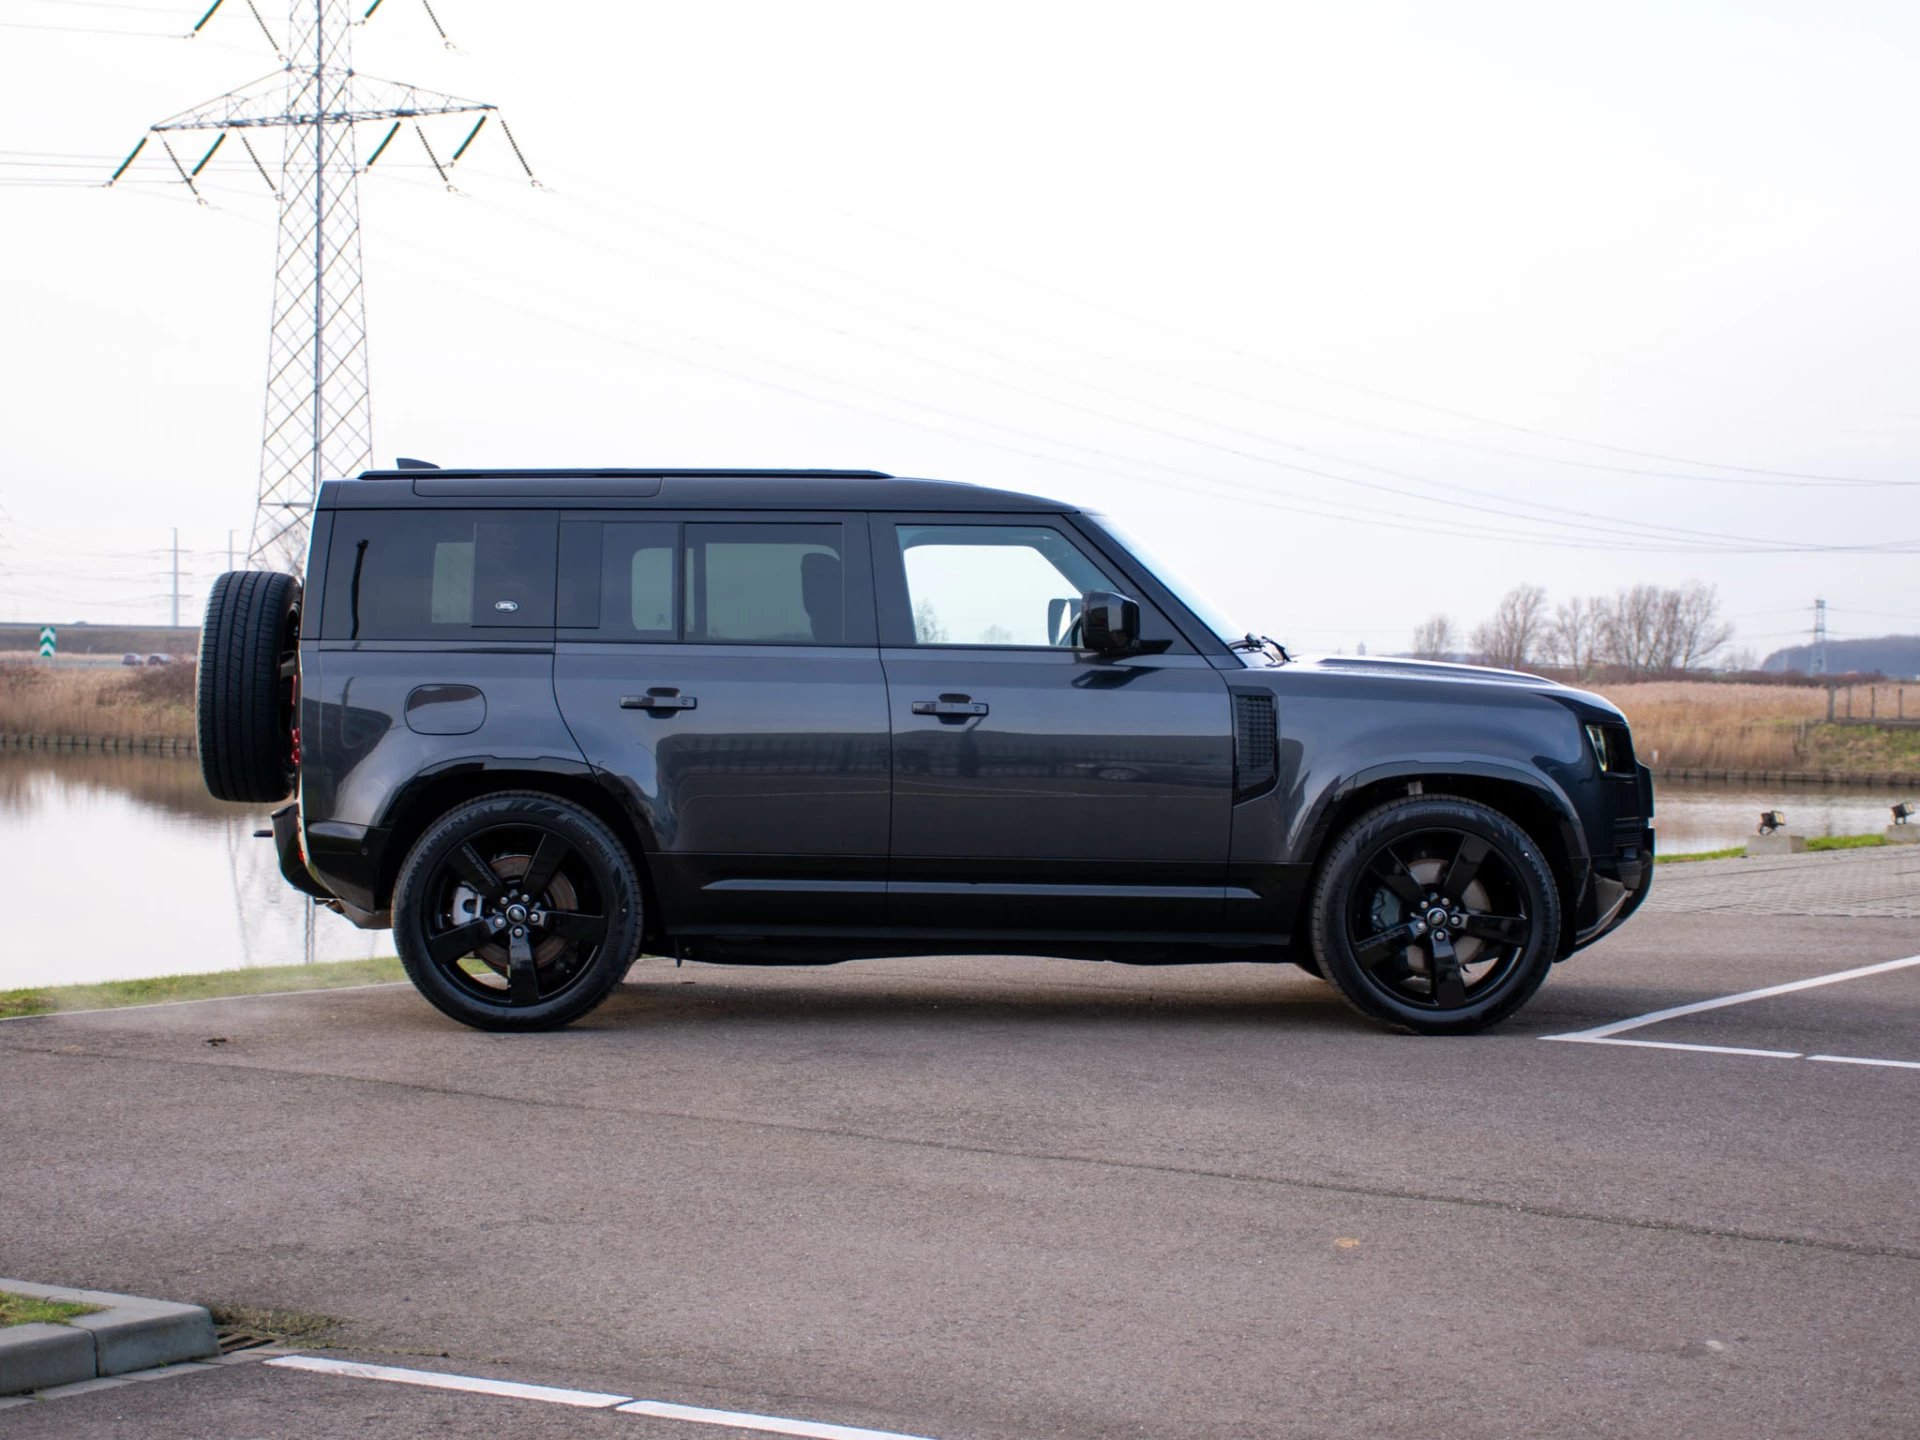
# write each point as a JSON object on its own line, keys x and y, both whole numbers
{"x": 586, "y": 1399}
{"x": 208, "y": 1000}
{"x": 1609, "y": 1033}
{"x": 437, "y": 1380}
{"x": 772, "y": 1424}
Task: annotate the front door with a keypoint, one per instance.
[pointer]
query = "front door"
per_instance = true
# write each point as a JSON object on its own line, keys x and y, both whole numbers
{"x": 1037, "y": 786}
{"x": 725, "y": 674}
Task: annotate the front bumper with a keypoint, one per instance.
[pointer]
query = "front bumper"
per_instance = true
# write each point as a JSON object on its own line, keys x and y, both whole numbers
{"x": 1618, "y": 878}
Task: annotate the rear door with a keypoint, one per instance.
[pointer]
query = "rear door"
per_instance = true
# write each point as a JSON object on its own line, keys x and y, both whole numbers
{"x": 1037, "y": 786}
{"x": 723, "y": 670}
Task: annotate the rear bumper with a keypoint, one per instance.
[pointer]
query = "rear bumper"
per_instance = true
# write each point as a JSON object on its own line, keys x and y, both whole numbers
{"x": 341, "y": 859}
{"x": 286, "y": 845}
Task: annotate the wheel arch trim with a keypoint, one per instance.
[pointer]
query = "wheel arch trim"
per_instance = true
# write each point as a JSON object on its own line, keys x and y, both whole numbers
{"x": 458, "y": 779}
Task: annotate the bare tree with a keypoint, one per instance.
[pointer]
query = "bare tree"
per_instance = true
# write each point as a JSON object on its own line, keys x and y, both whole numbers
{"x": 1433, "y": 638}
{"x": 1513, "y": 636}
{"x": 1637, "y": 633}
{"x": 927, "y": 629}
{"x": 1573, "y": 635}
{"x": 1698, "y": 631}
{"x": 1646, "y": 629}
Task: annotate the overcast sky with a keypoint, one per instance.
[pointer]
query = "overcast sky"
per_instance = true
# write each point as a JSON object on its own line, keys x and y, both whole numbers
{"x": 1358, "y": 311}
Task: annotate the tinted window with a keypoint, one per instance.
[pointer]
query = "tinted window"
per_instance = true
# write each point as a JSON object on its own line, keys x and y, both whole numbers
{"x": 636, "y": 581}
{"x": 765, "y": 584}
{"x": 441, "y": 574}
{"x": 994, "y": 584}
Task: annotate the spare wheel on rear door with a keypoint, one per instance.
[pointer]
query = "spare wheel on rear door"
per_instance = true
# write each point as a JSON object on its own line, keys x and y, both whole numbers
{"x": 245, "y": 710}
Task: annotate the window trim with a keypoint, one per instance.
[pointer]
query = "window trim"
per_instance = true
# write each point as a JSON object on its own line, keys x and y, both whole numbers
{"x": 895, "y": 601}
{"x": 859, "y": 627}
{"x": 335, "y": 627}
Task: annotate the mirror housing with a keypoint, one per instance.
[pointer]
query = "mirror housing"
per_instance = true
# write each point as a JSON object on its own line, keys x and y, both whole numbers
{"x": 1109, "y": 623}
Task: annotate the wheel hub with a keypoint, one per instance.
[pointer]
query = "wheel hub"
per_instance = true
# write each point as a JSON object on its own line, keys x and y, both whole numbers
{"x": 515, "y": 910}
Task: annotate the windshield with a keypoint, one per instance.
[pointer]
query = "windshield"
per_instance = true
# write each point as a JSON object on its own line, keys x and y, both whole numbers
{"x": 1208, "y": 615}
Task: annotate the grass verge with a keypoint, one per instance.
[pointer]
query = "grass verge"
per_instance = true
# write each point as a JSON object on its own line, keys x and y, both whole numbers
{"x": 1815, "y": 844}
{"x": 261, "y": 980}
{"x": 25, "y": 1310}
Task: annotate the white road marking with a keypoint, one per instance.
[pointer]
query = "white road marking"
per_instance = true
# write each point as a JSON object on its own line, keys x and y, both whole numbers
{"x": 208, "y": 1000}
{"x": 772, "y": 1424}
{"x": 586, "y": 1399}
{"x": 1856, "y": 1060}
{"x": 1676, "y": 1045}
{"x": 436, "y": 1380}
{"x": 1617, "y": 1027}
{"x": 1607, "y": 1034}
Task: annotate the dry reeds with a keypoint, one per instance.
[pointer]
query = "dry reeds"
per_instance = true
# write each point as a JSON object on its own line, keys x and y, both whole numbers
{"x": 150, "y": 702}
{"x": 1706, "y": 725}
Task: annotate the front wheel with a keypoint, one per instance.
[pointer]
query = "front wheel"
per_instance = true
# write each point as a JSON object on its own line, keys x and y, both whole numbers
{"x": 1436, "y": 914}
{"x": 517, "y": 911}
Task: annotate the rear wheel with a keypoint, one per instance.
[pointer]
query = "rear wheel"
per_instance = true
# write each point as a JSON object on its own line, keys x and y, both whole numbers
{"x": 1436, "y": 914}
{"x": 517, "y": 911}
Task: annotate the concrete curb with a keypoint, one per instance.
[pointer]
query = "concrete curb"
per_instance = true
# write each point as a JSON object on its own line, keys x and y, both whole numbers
{"x": 127, "y": 1333}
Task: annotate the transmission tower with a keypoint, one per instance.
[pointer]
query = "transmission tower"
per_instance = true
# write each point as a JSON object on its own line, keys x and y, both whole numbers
{"x": 319, "y": 411}
{"x": 1819, "y": 665}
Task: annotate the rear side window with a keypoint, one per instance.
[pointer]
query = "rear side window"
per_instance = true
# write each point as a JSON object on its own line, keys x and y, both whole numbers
{"x": 439, "y": 574}
{"x": 765, "y": 584}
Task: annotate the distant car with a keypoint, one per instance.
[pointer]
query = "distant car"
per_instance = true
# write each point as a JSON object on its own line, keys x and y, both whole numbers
{"x": 158, "y": 660}
{"x": 129, "y": 659}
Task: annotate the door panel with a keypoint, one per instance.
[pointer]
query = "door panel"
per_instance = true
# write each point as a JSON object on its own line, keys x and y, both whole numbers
{"x": 1036, "y": 786}
{"x": 759, "y": 769}
{"x": 777, "y": 773}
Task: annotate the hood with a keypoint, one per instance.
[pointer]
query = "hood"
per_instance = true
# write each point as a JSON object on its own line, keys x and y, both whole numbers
{"x": 1426, "y": 669}
{"x": 1582, "y": 702}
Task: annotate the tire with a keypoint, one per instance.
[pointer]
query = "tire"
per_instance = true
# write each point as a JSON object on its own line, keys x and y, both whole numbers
{"x": 245, "y": 709}
{"x": 527, "y": 862}
{"x": 1411, "y": 861}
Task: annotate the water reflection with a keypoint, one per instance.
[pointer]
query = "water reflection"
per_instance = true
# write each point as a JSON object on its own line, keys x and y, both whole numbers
{"x": 131, "y": 869}
{"x": 1703, "y": 815}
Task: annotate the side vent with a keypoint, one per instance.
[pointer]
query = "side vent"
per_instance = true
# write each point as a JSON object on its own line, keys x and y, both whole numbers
{"x": 1256, "y": 745}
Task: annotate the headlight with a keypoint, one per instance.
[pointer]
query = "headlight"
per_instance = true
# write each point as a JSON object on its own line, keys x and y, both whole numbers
{"x": 1612, "y": 747}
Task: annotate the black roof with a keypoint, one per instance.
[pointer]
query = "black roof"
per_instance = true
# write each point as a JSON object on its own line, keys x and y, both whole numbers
{"x": 688, "y": 489}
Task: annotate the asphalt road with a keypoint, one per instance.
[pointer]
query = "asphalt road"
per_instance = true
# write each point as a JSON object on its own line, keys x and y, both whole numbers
{"x": 1013, "y": 1198}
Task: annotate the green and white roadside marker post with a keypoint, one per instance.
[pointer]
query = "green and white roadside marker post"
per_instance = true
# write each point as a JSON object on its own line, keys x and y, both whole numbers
{"x": 49, "y": 642}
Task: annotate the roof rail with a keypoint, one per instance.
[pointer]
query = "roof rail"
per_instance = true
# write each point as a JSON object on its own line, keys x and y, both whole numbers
{"x": 408, "y": 471}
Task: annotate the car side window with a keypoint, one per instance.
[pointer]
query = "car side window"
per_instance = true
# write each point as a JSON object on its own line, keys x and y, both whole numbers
{"x": 995, "y": 584}
{"x": 636, "y": 581}
{"x": 771, "y": 584}
{"x": 438, "y": 574}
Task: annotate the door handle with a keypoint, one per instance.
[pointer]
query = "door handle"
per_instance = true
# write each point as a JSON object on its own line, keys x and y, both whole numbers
{"x": 658, "y": 700}
{"x": 950, "y": 707}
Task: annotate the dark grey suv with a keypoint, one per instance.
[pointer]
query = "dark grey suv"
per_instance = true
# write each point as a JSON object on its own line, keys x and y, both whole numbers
{"x": 541, "y": 720}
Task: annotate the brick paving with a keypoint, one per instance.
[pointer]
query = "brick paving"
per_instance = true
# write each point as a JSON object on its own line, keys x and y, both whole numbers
{"x": 1865, "y": 883}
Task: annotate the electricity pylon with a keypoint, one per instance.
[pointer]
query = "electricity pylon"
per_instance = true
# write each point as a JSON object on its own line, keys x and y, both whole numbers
{"x": 319, "y": 411}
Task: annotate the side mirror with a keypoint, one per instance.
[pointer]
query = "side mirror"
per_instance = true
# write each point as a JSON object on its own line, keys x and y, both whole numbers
{"x": 1109, "y": 623}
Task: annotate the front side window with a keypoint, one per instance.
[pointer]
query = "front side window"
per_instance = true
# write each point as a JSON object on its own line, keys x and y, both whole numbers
{"x": 438, "y": 574}
{"x": 995, "y": 584}
{"x": 765, "y": 584}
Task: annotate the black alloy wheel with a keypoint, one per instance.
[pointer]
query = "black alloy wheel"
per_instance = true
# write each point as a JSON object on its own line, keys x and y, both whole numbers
{"x": 518, "y": 911}
{"x": 1436, "y": 914}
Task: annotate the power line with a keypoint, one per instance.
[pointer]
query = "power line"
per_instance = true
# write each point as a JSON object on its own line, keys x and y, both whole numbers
{"x": 318, "y": 417}
{"x": 1105, "y": 307}
{"x": 1682, "y": 542}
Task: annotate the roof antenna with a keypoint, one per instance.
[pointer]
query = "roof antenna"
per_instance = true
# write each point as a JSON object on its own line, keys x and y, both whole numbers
{"x": 403, "y": 462}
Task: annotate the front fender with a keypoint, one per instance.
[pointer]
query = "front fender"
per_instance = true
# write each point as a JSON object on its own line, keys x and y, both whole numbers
{"x": 1313, "y": 825}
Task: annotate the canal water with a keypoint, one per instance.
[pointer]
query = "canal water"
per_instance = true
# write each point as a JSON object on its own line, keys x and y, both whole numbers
{"x": 120, "y": 866}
